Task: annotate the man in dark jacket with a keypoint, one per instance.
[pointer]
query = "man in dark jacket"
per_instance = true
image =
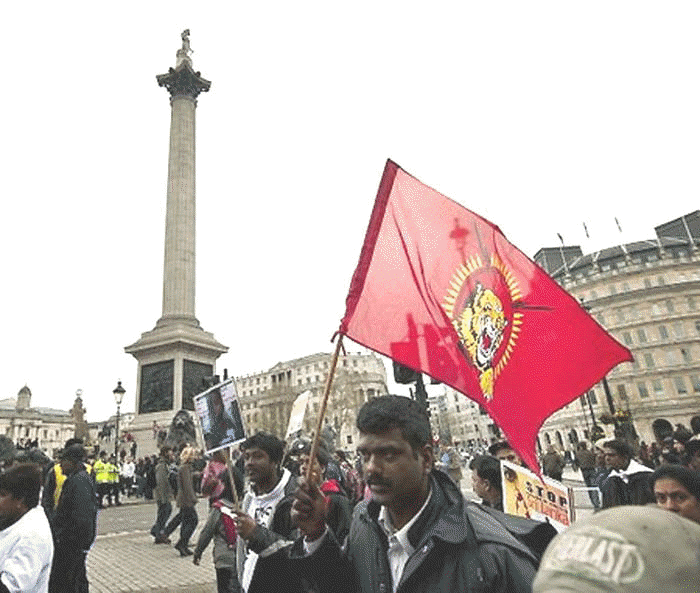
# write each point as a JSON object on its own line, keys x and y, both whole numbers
{"x": 418, "y": 533}
{"x": 265, "y": 517}
{"x": 163, "y": 496}
{"x": 73, "y": 524}
{"x": 629, "y": 482}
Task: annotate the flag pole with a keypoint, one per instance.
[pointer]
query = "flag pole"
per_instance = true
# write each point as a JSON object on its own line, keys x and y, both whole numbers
{"x": 322, "y": 410}
{"x": 229, "y": 467}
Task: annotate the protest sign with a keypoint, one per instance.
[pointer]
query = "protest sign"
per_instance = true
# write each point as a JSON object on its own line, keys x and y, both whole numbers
{"x": 526, "y": 495}
{"x": 219, "y": 414}
{"x": 296, "y": 417}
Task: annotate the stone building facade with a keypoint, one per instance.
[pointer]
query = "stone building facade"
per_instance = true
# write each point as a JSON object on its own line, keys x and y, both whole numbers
{"x": 457, "y": 420}
{"x": 647, "y": 295}
{"x": 267, "y": 397}
{"x": 22, "y": 423}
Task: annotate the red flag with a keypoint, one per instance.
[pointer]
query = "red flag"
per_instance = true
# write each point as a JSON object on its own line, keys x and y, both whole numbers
{"x": 440, "y": 289}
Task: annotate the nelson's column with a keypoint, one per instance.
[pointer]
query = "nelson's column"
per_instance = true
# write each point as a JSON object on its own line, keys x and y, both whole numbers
{"x": 177, "y": 353}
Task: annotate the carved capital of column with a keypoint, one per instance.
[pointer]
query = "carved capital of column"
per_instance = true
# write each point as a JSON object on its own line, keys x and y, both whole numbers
{"x": 183, "y": 81}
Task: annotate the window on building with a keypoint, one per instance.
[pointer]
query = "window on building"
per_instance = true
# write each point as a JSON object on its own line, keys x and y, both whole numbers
{"x": 695, "y": 382}
{"x": 620, "y": 315}
{"x": 594, "y": 295}
{"x": 670, "y": 306}
{"x": 670, "y": 357}
{"x": 622, "y": 392}
{"x": 625, "y": 287}
{"x": 680, "y": 385}
{"x": 697, "y": 325}
{"x": 613, "y": 288}
{"x": 592, "y": 397}
{"x": 642, "y": 389}
{"x": 663, "y": 332}
{"x": 660, "y": 280}
{"x": 647, "y": 283}
{"x": 649, "y": 360}
{"x": 658, "y": 387}
{"x": 691, "y": 303}
{"x": 642, "y": 336}
{"x": 627, "y": 337}
{"x": 678, "y": 329}
{"x": 685, "y": 354}
{"x": 601, "y": 319}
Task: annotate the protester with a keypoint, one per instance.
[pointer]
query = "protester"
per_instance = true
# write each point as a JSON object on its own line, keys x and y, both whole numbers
{"x": 415, "y": 513}
{"x": 186, "y": 501}
{"x": 224, "y": 550}
{"x": 503, "y": 451}
{"x": 623, "y": 550}
{"x": 585, "y": 459}
{"x": 695, "y": 428}
{"x": 451, "y": 464}
{"x": 553, "y": 464}
{"x": 53, "y": 484}
{"x": 677, "y": 489}
{"x": 691, "y": 457}
{"x": 486, "y": 481}
{"x": 128, "y": 477}
{"x": 73, "y": 524}
{"x": 220, "y": 526}
{"x": 26, "y": 543}
{"x": 354, "y": 487}
{"x": 163, "y": 495}
{"x": 338, "y": 508}
{"x": 265, "y": 515}
{"x": 629, "y": 482}
{"x": 216, "y": 473}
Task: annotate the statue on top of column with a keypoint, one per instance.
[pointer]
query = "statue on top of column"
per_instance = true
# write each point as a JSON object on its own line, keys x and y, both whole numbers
{"x": 185, "y": 51}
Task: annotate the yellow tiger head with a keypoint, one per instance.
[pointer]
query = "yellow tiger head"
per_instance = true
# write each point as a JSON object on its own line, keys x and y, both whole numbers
{"x": 481, "y": 327}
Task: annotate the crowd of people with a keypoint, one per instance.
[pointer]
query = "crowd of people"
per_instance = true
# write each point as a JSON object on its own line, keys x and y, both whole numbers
{"x": 393, "y": 520}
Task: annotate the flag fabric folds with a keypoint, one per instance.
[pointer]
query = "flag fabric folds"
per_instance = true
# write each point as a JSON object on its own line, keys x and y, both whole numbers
{"x": 440, "y": 290}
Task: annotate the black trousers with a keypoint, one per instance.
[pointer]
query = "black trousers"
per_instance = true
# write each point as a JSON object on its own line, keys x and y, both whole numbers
{"x": 227, "y": 581}
{"x": 68, "y": 571}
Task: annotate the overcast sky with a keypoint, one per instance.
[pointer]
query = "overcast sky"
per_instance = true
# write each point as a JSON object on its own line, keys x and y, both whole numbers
{"x": 539, "y": 116}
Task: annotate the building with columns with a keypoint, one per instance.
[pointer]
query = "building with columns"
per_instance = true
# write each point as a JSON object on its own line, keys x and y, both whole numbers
{"x": 177, "y": 355}
{"x": 266, "y": 398}
{"x": 22, "y": 423}
{"x": 647, "y": 295}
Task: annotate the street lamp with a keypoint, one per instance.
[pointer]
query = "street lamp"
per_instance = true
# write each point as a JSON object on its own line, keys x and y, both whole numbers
{"x": 118, "y": 392}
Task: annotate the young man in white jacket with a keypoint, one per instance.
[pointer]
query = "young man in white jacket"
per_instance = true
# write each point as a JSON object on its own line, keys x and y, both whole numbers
{"x": 26, "y": 544}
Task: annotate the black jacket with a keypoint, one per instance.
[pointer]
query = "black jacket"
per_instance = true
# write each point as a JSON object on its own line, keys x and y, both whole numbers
{"x": 74, "y": 523}
{"x": 637, "y": 490}
{"x": 459, "y": 547}
{"x": 272, "y": 570}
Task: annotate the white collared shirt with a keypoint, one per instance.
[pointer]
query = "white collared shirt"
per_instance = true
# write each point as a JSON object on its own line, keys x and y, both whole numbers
{"x": 400, "y": 549}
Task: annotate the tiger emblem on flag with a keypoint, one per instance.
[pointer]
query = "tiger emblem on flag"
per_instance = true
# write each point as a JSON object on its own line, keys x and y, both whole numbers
{"x": 481, "y": 327}
{"x": 480, "y": 302}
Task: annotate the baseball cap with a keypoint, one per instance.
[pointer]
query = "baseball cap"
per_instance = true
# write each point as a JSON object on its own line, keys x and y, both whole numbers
{"x": 627, "y": 549}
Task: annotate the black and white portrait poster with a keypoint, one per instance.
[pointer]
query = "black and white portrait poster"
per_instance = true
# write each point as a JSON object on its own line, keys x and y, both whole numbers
{"x": 219, "y": 414}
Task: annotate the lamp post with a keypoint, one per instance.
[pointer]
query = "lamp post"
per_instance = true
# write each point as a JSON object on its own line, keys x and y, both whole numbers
{"x": 118, "y": 392}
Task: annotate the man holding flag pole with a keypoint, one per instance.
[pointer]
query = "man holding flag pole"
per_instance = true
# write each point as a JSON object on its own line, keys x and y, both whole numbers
{"x": 440, "y": 290}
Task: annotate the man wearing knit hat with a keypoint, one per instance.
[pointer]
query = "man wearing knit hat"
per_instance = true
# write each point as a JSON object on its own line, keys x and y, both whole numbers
{"x": 626, "y": 549}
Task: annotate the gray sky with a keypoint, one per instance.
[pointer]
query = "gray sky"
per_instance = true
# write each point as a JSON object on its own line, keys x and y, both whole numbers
{"x": 537, "y": 115}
